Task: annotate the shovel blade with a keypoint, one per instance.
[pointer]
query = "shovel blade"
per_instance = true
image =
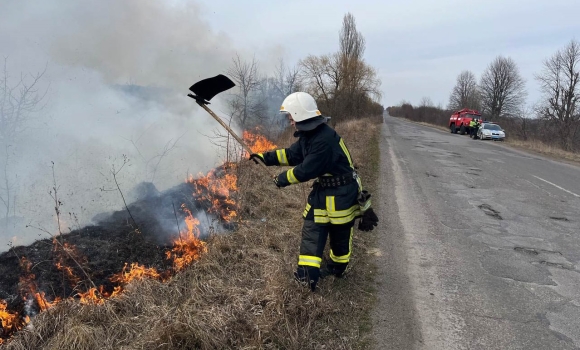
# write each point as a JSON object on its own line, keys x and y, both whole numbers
{"x": 208, "y": 88}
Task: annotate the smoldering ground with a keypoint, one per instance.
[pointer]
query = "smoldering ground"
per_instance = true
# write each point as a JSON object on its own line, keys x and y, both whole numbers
{"x": 114, "y": 85}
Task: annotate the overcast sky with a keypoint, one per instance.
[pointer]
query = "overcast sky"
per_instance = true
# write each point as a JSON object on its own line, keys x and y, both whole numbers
{"x": 418, "y": 46}
{"x": 88, "y": 48}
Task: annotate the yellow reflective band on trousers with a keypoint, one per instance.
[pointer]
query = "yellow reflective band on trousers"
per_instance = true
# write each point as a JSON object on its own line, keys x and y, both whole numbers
{"x": 290, "y": 176}
{"x": 343, "y": 259}
{"x": 333, "y": 216}
{"x": 281, "y": 154}
{"x": 309, "y": 260}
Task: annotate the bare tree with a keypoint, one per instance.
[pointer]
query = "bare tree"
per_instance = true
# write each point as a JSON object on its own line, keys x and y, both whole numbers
{"x": 246, "y": 106}
{"x": 426, "y": 102}
{"x": 316, "y": 77}
{"x": 502, "y": 88}
{"x": 343, "y": 84}
{"x": 286, "y": 79}
{"x": 559, "y": 84}
{"x": 18, "y": 102}
{"x": 465, "y": 94}
{"x": 352, "y": 43}
{"x": 523, "y": 118}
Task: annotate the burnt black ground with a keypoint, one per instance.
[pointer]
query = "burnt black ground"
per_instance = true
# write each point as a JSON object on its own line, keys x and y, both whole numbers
{"x": 104, "y": 248}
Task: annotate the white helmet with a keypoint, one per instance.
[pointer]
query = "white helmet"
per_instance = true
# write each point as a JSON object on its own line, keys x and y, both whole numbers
{"x": 301, "y": 106}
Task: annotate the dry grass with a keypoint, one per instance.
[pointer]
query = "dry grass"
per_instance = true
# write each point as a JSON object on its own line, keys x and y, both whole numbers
{"x": 544, "y": 149}
{"x": 530, "y": 145}
{"x": 239, "y": 295}
{"x": 433, "y": 126}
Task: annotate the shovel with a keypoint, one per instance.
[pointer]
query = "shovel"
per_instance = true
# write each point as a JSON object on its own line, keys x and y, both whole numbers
{"x": 204, "y": 90}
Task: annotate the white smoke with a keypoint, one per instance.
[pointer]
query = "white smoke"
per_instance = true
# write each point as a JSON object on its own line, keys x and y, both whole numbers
{"x": 117, "y": 74}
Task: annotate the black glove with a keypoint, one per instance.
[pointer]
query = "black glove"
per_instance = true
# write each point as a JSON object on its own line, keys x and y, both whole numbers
{"x": 368, "y": 221}
{"x": 257, "y": 157}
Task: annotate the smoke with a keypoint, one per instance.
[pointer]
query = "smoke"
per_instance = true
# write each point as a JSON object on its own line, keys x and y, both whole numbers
{"x": 116, "y": 79}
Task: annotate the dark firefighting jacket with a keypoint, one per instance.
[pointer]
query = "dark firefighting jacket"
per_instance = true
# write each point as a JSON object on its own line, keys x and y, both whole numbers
{"x": 322, "y": 155}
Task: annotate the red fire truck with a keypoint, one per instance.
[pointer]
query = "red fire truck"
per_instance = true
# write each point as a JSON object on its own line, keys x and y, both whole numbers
{"x": 459, "y": 120}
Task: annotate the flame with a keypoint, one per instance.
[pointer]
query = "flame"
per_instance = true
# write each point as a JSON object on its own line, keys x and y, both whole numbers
{"x": 258, "y": 143}
{"x": 28, "y": 287}
{"x": 63, "y": 254}
{"x": 92, "y": 297}
{"x": 217, "y": 191}
{"x": 218, "y": 187}
{"x": 188, "y": 247}
{"x": 9, "y": 321}
{"x": 135, "y": 272}
{"x": 43, "y": 303}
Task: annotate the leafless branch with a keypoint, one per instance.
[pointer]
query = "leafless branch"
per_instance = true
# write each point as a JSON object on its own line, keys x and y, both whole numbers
{"x": 502, "y": 88}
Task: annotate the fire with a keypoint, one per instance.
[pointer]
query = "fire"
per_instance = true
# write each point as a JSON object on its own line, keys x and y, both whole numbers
{"x": 90, "y": 297}
{"x": 43, "y": 303}
{"x": 135, "y": 272}
{"x": 258, "y": 143}
{"x": 188, "y": 247}
{"x": 218, "y": 187}
{"x": 217, "y": 191}
{"x": 28, "y": 287}
{"x": 9, "y": 321}
{"x": 64, "y": 254}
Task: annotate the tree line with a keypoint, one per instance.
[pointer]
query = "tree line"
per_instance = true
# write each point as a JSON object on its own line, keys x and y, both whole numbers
{"x": 500, "y": 96}
{"x": 344, "y": 85}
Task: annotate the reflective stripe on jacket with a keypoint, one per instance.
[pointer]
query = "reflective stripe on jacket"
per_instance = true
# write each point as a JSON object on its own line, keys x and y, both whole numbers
{"x": 317, "y": 153}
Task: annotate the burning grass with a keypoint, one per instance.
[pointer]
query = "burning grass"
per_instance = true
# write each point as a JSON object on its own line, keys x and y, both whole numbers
{"x": 239, "y": 293}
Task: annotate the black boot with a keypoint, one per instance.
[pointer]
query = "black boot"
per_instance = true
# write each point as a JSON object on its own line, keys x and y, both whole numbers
{"x": 308, "y": 276}
{"x": 337, "y": 270}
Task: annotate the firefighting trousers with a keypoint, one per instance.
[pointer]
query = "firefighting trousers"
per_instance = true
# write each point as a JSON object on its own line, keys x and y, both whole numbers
{"x": 312, "y": 246}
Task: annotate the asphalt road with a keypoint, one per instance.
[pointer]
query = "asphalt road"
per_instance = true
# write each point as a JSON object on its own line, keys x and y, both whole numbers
{"x": 479, "y": 245}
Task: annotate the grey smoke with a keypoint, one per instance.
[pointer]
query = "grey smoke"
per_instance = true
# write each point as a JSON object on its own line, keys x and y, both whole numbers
{"x": 117, "y": 74}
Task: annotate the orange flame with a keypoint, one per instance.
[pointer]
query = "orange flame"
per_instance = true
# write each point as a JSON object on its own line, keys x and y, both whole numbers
{"x": 9, "y": 321}
{"x": 43, "y": 303}
{"x": 213, "y": 188}
{"x": 258, "y": 143}
{"x": 188, "y": 247}
{"x": 64, "y": 253}
{"x": 135, "y": 272}
{"x": 92, "y": 297}
{"x": 218, "y": 191}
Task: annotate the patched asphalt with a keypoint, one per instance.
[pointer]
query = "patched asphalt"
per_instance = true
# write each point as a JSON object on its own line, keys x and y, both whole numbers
{"x": 479, "y": 244}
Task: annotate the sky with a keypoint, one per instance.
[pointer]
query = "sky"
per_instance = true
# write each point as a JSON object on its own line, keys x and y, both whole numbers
{"x": 116, "y": 74}
{"x": 418, "y": 46}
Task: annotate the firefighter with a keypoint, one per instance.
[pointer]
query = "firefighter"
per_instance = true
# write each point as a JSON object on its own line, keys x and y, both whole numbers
{"x": 337, "y": 197}
{"x": 473, "y": 127}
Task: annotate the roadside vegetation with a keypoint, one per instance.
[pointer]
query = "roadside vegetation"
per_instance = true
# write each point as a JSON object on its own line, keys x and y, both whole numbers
{"x": 239, "y": 292}
{"x": 550, "y": 126}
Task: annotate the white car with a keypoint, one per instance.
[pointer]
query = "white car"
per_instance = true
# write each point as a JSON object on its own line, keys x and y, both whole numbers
{"x": 490, "y": 131}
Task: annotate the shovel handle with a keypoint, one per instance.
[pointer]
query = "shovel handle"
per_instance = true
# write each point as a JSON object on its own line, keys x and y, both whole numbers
{"x": 241, "y": 142}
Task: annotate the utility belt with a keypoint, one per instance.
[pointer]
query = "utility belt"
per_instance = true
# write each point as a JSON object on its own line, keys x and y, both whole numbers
{"x": 337, "y": 180}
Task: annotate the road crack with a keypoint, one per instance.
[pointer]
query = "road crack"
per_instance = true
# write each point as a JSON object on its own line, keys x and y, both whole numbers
{"x": 488, "y": 210}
